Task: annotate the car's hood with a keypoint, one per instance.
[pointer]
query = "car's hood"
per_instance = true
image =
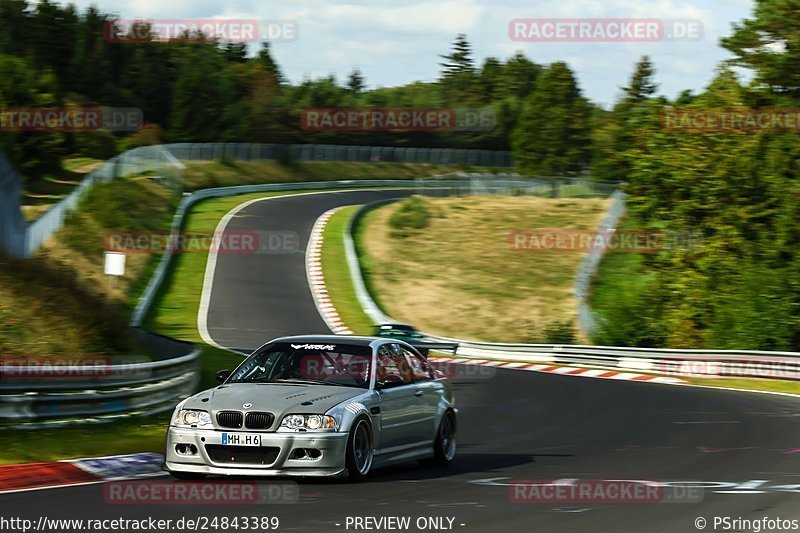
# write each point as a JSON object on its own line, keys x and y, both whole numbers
{"x": 278, "y": 399}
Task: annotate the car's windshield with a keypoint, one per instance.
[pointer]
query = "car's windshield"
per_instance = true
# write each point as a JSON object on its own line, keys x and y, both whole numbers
{"x": 300, "y": 362}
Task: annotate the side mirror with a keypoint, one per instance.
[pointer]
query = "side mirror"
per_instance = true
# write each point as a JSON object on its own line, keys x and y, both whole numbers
{"x": 392, "y": 380}
{"x": 222, "y": 375}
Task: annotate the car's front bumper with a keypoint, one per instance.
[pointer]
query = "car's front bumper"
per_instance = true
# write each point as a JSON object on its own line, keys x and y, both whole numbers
{"x": 331, "y": 462}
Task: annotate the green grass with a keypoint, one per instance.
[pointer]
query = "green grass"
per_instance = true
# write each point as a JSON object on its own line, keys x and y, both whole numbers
{"x": 337, "y": 273}
{"x": 75, "y": 163}
{"x": 368, "y": 265}
{"x": 791, "y": 387}
{"x": 618, "y": 273}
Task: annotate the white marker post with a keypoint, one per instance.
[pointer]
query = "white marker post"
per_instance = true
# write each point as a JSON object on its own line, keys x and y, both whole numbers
{"x": 114, "y": 266}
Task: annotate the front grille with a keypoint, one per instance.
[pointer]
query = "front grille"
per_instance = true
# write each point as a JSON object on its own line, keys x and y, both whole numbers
{"x": 256, "y": 420}
{"x": 245, "y": 455}
{"x": 229, "y": 419}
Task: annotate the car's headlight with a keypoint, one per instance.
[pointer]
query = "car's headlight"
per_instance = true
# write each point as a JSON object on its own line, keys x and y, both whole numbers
{"x": 192, "y": 418}
{"x": 309, "y": 422}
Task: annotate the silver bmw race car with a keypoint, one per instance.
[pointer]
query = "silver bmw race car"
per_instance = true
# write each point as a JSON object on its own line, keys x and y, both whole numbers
{"x": 316, "y": 406}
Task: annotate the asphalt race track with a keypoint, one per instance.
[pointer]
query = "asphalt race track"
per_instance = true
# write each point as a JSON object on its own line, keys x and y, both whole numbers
{"x": 743, "y": 448}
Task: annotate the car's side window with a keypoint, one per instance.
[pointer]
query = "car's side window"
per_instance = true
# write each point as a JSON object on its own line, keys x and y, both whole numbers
{"x": 392, "y": 364}
{"x": 420, "y": 367}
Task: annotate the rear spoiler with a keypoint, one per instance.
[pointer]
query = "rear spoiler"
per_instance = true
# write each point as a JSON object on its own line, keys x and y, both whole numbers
{"x": 425, "y": 347}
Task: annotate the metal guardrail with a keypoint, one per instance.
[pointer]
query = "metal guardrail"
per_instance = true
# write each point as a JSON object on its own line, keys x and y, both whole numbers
{"x": 39, "y": 396}
{"x": 704, "y": 363}
{"x": 139, "y": 160}
{"x": 587, "y": 320}
{"x": 332, "y": 152}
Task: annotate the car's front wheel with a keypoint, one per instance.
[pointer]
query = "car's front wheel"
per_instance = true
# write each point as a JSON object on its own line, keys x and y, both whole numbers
{"x": 359, "y": 450}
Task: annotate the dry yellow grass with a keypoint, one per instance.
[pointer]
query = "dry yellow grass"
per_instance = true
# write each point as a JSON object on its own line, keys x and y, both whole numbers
{"x": 459, "y": 276}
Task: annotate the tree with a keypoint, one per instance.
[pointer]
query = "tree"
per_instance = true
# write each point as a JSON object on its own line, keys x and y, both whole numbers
{"x": 768, "y": 44}
{"x": 201, "y": 97}
{"x": 355, "y": 82}
{"x": 491, "y": 79}
{"x": 552, "y": 136}
{"x": 615, "y": 134}
{"x": 519, "y": 76}
{"x": 458, "y": 71}
{"x": 641, "y": 86}
{"x": 269, "y": 63}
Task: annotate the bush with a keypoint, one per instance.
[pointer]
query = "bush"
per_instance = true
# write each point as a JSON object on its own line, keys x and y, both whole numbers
{"x": 97, "y": 144}
{"x": 560, "y": 333}
{"x": 413, "y": 214}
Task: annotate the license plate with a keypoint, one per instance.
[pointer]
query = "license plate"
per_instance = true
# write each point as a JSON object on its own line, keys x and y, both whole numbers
{"x": 241, "y": 439}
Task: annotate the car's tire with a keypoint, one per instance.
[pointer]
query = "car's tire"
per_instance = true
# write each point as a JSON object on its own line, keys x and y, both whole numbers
{"x": 444, "y": 447}
{"x": 359, "y": 453}
{"x": 187, "y": 476}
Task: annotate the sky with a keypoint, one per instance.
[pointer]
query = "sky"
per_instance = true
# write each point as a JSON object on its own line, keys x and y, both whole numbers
{"x": 395, "y": 42}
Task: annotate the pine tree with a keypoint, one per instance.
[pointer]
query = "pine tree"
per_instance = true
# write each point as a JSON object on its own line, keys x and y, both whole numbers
{"x": 355, "y": 82}
{"x": 552, "y": 136}
{"x": 458, "y": 72}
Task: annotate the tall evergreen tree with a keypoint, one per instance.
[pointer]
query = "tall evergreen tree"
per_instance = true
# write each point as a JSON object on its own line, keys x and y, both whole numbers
{"x": 552, "y": 136}
{"x": 458, "y": 72}
{"x": 355, "y": 82}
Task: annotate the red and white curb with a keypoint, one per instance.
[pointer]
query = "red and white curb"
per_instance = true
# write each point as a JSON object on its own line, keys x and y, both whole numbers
{"x": 564, "y": 370}
{"x": 316, "y": 281}
{"x": 37, "y": 476}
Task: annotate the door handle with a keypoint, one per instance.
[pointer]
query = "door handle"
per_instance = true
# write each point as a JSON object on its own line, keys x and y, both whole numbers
{"x": 418, "y": 393}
